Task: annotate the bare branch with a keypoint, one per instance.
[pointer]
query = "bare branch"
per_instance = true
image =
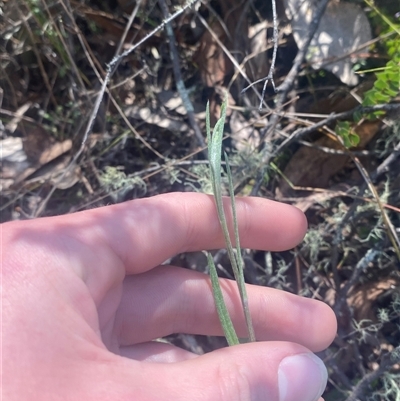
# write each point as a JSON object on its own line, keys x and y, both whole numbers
{"x": 270, "y": 76}
{"x": 178, "y": 78}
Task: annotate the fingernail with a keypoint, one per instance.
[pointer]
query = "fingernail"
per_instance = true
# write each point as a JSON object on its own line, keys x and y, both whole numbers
{"x": 301, "y": 377}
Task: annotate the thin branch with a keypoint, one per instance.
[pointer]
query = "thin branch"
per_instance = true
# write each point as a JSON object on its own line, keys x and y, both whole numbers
{"x": 60, "y": 37}
{"x": 365, "y": 175}
{"x": 110, "y": 70}
{"x": 384, "y": 166}
{"x": 37, "y": 54}
{"x": 360, "y": 267}
{"x": 228, "y": 53}
{"x": 362, "y": 386}
{"x": 114, "y": 62}
{"x": 93, "y": 62}
{"x": 391, "y": 231}
{"x": 178, "y": 78}
{"x": 128, "y": 27}
{"x": 270, "y": 76}
{"x": 299, "y": 133}
{"x": 287, "y": 84}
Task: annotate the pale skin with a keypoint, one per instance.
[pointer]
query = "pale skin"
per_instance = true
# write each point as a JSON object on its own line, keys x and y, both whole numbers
{"x": 84, "y": 295}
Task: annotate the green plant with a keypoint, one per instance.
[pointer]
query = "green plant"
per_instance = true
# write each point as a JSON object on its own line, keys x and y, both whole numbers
{"x": 47, "y": 29}
{"x": 387, "y": 83}
{"x": 114, "y": 179}
{"x": 235, "y": 257}
{"x": 346, "y": 132}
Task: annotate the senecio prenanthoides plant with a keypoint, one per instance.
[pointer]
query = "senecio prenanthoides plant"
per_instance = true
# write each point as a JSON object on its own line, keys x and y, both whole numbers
{"x": 214, "y": 157}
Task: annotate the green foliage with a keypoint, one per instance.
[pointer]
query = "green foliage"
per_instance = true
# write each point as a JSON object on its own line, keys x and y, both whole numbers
{"x": 235, "y": 257}
{"x": 387, "y": 84}
{"x": 114, "y": 179}
{"x": 346, "y": 132}
{"x": 46, "y": 29}
{"x": 223, "y": 314}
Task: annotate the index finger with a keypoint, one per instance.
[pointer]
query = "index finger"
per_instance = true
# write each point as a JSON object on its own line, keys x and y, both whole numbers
{"x": 143, "y": 233}
{"x": 146, "y": 232}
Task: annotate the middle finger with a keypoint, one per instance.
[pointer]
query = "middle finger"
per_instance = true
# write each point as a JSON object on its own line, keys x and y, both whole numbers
{"x": 169, "y": 300}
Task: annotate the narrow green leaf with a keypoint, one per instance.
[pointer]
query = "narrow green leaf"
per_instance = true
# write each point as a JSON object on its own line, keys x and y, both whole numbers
{"x": 208, "y": 128}
{"x": 223, "y": 314}
{"x": 215, "y": 164}
{"x": 354, "y": 139}
{"x": 215, "y": 150}
{"x": 239, "y": 260}
{"x": 216, "y": 145}
{"x": 232, "y": 197}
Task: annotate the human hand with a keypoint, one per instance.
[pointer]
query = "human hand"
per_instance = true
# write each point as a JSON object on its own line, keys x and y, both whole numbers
{"x": 84, "y": 295}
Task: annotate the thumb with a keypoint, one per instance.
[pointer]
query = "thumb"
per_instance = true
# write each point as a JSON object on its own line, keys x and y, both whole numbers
{"x": 273, "y": 371}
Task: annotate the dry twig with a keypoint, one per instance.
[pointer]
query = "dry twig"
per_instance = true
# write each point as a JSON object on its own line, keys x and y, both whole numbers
{"x": 178, "y": 78}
